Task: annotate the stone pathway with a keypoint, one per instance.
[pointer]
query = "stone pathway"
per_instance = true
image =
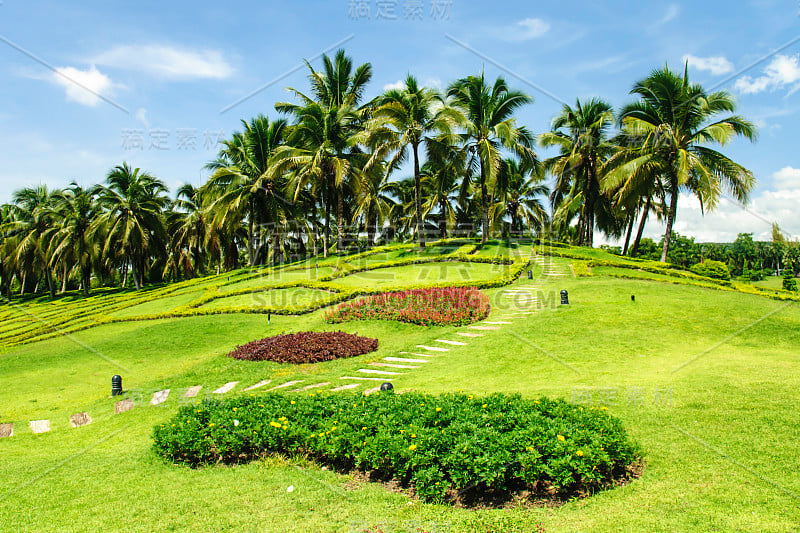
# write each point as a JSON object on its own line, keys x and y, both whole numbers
{"x": 284, "y": 385}
{"x": 191, "y": 392}
{"x": 258, "y": 385}
{"x": 226, "y": 388}
{"x": 160, "y": 397}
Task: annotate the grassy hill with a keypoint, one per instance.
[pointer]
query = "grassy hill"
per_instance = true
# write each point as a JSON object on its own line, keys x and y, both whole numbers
{"x": 702, "y": 373}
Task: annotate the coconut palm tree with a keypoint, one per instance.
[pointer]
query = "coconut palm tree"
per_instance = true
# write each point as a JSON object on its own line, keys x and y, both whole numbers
{"x": 373, "y": 201}
{"x": 676, "y": 121}
{"x": 489, "y": 127}
{"x": 445, "y": 182}
{"x": 133, "y": 203}
{"x": 72, "y": 246}
{"x": 518, "y": 191}
{"x": 241, "y": 186}
{"x": 405, "y": 119}
{"x": 187, "y": 225}
{"x": 323, "y": 148}
{"x": 29, "y": 229}
{"x": 581, "y": 135}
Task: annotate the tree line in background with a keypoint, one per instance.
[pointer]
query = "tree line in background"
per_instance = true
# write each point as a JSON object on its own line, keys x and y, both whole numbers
{"x": 324, "y": 179}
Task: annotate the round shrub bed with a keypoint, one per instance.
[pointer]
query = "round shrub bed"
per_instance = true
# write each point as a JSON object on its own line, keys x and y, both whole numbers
{"x": 305, "y": 347}
{"x": 427, "y": 307}
{"x": 453, "y": 447}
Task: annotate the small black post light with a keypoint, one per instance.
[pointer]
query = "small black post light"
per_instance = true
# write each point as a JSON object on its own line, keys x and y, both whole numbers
{"x": 269, "y": 317}
{"x": 564, "y": 298}
{"x": 116, "y": 385}
{"x": 633, "y": 298}
{"x": 530, "y": 274}
{"x": 386, "y": 386}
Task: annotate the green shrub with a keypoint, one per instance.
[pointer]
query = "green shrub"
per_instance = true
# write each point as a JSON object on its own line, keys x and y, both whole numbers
{"x": 789, "y": 283}
{"x": 437, "y": 444}
{"x": 712, "y": 269}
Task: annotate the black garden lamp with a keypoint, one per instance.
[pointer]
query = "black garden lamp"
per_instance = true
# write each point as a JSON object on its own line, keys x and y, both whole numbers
{"x": 564, "y": 298}
{"x": 386, "y": 386}
{"x": 116, "y": 385}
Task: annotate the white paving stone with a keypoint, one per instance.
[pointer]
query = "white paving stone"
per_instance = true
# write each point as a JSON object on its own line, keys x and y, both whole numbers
{"x": 309, "y": 387}
{"x": 432, "y": 348}
{"x": 371, "y": 371}
{"x": 362, "y": 378}
{"x": 226, "y": 388}
{"x": 40, "y": 426}
{"x": 346, "y": 387}
{"x": 287, "y": 384}
{"x": 484, "y": 328}
{"x": 405, "y": 360}
{"x": 390, "y": 365}
{"x": 80, "y": 419}
{"x": 259, "y": 384}
{"x": 159, "y": 397}
{"x": 452, "y": 343}
{"x": 467, "y": 334}
{"x": 191, "y": 392}
{"x": 6, "y": 430}
{"x": 371, "y": 391}
{"x": 496, "y": 322}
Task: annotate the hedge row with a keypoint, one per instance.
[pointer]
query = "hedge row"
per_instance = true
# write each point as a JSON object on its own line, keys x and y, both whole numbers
{"x": 442, "y": 446}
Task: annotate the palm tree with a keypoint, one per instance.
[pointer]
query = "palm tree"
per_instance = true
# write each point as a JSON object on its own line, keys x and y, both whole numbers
{"x": 675, "y": 120}
{"x": 241, "y": 185}
{"x": 518, "y": 189}
{"x": 489, "y": 124}
{"x": 30, "y": 228}
{"x": 373, "y": 202}
{"x": 445, "y": 182}
{"x": 405, "y": 119}
{"x": 324, "y": 144}
{"x": 187, "y": 224}
{"x": 73, "y": 247}
{"x": 133, "y": 202}
{"x": 580, "y": 134}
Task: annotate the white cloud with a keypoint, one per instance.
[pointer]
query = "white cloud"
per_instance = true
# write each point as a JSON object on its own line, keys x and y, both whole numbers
{"x": 716, "y": 65}
{"x": 523, "y": 30}
{"x": 141, "y": 116}
{"x": 399, "y": 84}
{"x": 83, "y": 86}
{"x": 673, "y": 10}
{"x": 781, "y": 72}
{"x": 787, "y": 178}
{"x": 167, "y": 62}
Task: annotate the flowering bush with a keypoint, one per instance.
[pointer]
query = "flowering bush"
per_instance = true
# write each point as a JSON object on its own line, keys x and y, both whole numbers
{"x": 427, "y": 307}
{"x": 447, "y": 447}
{"x": 306, "y": 347}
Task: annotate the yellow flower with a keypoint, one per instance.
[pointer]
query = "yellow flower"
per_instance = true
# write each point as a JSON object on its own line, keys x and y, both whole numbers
{"x": 364, "y": 428}
{"x": 413, "y": 435}
{"x": 484, "y": 406}
{"x": 438, "y": 409}
{"x": 604, "y": 408}
{"x": 285, "y": 426}
{"x": 211, "y": 425}
{"x": 313, "y": 435}
{"x": 561, "y": 438}
{"x": 530, "y": 448}
{"x": 275, "y": 424}
{"x": 412, "y": 447}
{"x": 579, "y": 453}
{"x": 470, "y": 397}
{"x": 234, "y": 409}
{"x": 364, "y": 443}
{"x": 292, "y": 402}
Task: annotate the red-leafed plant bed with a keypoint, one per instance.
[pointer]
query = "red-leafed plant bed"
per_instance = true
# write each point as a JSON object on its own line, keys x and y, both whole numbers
{"x": 305, "y": 347}
{"x": 428, "y": 307}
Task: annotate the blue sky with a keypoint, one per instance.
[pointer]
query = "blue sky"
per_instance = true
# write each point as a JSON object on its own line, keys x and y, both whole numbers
{"x": 165, "y": 70}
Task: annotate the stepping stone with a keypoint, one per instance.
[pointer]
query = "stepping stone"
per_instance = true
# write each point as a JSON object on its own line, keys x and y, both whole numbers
{"x": 80, "y": 419}
{"x": 191, "y": 392}
{"x": 309, "y": 387}
{"x": 371, "y": 391}
{"x": 226, "y": 388}
{"x": 428, "y": 355}
{"x": 432, "y": 348}
{"x": 497, "y": 322}
{"x": 122, "y": 406}
{"x": 483, "y": 328}
{"x": 389, "y": 365}
{"x": 160, "y": 397}
{"x": 466, "y": 334}
{"x": 6, "y": 430}
{"x": 404, "y": 360}
{"x": 371, "y": 371}
{"x": 40, "y": 426}
{"x": 287, "y": 384}
{"x": 259, "y": 384}
{"x": 346, "y": 387}
{"x": 452, "y": 343}
{"x": 362, "y": 379}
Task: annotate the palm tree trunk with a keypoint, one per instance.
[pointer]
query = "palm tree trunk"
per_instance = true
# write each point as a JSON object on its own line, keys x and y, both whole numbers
{"x": 632, "y": 219}
{"x": 125, "y": 274}
{"x": 418, "y": 198}
{"x": 250, "y": 237}
{"x": 443, "y": 219}
{"x": 645, "y": 214}
{"x": 371, "y": 227}
{"x": 64, "y": 280}
{"x": 326, "y": 242}
{"x": 22, "y": 285}
{"x": 673, "y": 210}
{"x": 86, "y": 280}
{"x": 51, "y": 287}
{"x": 340, "y": 219}
{"x": 484, "y": 206}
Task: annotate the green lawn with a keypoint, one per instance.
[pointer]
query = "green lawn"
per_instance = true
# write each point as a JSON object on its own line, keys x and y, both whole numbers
{"x": 422, "y": 274}
{"x": 275, "y": 298}
{"x": 705, "y": 380}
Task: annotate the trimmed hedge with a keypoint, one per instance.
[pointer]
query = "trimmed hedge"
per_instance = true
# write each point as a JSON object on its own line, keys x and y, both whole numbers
{"x": 446, "y": 446}
{"x": 305, "y": 347}
{"x": 427, "y": 307}
{"x": 712, "y": 269}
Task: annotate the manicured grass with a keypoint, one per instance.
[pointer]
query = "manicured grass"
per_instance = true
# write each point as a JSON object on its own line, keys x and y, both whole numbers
{"x": 275, "y": 298}
{"x": 422, "y": 274}
{"x": 704, "y": 380}
{"x": 155, "y": 306}
{"x": 277, "y": 278}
